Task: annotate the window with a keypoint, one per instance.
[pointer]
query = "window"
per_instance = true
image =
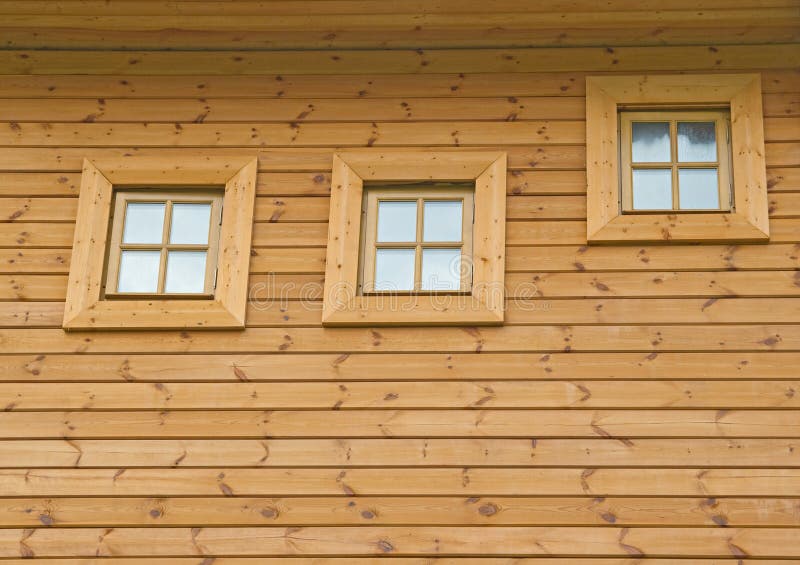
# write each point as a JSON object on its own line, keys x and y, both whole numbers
{"x": 153, "y": 251}
{"x": 417, "y": 240}
{"x": 675, "y": 158}
{"x": 164, "y": 243}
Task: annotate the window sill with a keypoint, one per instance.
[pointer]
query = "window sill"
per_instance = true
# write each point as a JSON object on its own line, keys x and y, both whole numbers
{"x": 701, "y": 227}
{"x": 396, "y": 310}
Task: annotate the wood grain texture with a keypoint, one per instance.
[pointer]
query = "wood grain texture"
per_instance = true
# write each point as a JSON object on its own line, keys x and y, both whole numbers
{"x": 370, "y": 511}
{"x": 400, "y": 423}
{"x": 293, "y": 560}
{"x": 401, "y": 29}
{"x": 317, "y": 367}
{"x": 398, "y": 395}
{"x": 223, "y": 481}
{"x": 638, "y": 407}
{"x": 356, "y": 452}
{"x": 377, "y": 85}
{"x": 543, "y": 339}
{"x": 547, "y": 59}
{"x": 382, "y": 540}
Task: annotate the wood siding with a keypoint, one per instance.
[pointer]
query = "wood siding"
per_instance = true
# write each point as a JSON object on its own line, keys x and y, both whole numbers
{"x": 641, "y": 404}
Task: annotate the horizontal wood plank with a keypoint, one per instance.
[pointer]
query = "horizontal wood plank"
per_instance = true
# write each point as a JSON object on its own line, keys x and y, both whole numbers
{"x": 70, "y": 159}
{"x": 540, "y": 423}
{"x": 296, "y": 134}
{"x": 420, "y": 481}
{"x": 591, "y": 59}
{"x": 313, "y": 183}
{"x": 294, "y": 560}
{"x": 401, "y": 452}
{"x": 374, "y": 511}
{"x": 445, "y": 115}
{"x": 544, "y": 339}
{"x": 403, "y": 29}
{"x": 249, "y": 7}
{"x": 339, "y": 86}
{"x": 382, "y": 540}
{"x": 327, "y": 7}
{"x": 397, "y": 395}
{"x": 231, "y": 367}
{"x": 128, "y": 114}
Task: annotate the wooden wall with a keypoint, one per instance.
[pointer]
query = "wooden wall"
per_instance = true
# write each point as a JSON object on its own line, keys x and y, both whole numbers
{"x": 642, "y": 407}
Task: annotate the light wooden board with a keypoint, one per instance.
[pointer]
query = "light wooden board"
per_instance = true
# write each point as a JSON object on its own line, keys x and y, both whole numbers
{"x": 372, "y": 511}
{"x": 402, "y": 395}
{"x": 547, "y": 59}
{"x": 70, "y": 159}
{"x": 383, "y": 540}
{"x": 293, "y": 560}
{"x": 314, "y": 367}
{"x": 454, "y": 85}
{"x": 541, "y": 423}
{"x": 403, "y": 29}
{"x": 328, "y": 7}
{"x": 434, "y": 111}
{"x": 544, "y": 339}
{"x": 223, "y": 481}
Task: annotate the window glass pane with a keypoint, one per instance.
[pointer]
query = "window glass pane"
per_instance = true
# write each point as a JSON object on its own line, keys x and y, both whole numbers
{"x": 138, "y": 271}
{"x": 652, "y": 189}
{"x": 397, "y": 221}
{"x": 441, "y": 269}
{"x": 442, "y": 220}
{"x": 699, "y": 189}
{"x": 190, "y": 223}
{"x": 144, "y": 222}
{"x": 186, "y": 272}
{"x": 697, "y": 141}
{"x": 650, "y": 142}
{"x": 394, "y": 269}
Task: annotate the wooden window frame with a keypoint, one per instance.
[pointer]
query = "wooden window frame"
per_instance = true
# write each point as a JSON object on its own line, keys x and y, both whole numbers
{"x": 369, "y": 243}
{"x": 748, "y": 219}
{"x": 484, "y": 304}
{"x": 722, "y": 164}
{"x": 87, "y": 309}
{"x": 122, "y": 198}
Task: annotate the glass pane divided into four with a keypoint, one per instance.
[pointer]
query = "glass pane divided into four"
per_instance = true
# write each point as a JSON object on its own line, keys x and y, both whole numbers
{"x": 675, "y": 163}
{"x": 164, "y": 247}
{"x": 418, "y": 245}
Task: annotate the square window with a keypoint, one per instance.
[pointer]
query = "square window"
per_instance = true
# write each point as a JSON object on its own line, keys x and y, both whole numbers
{"x": 164, "y": 243}
{"x": 414, "y": 239}
{"x": 153, "y": 251}
{"x": 675, "y": 160}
